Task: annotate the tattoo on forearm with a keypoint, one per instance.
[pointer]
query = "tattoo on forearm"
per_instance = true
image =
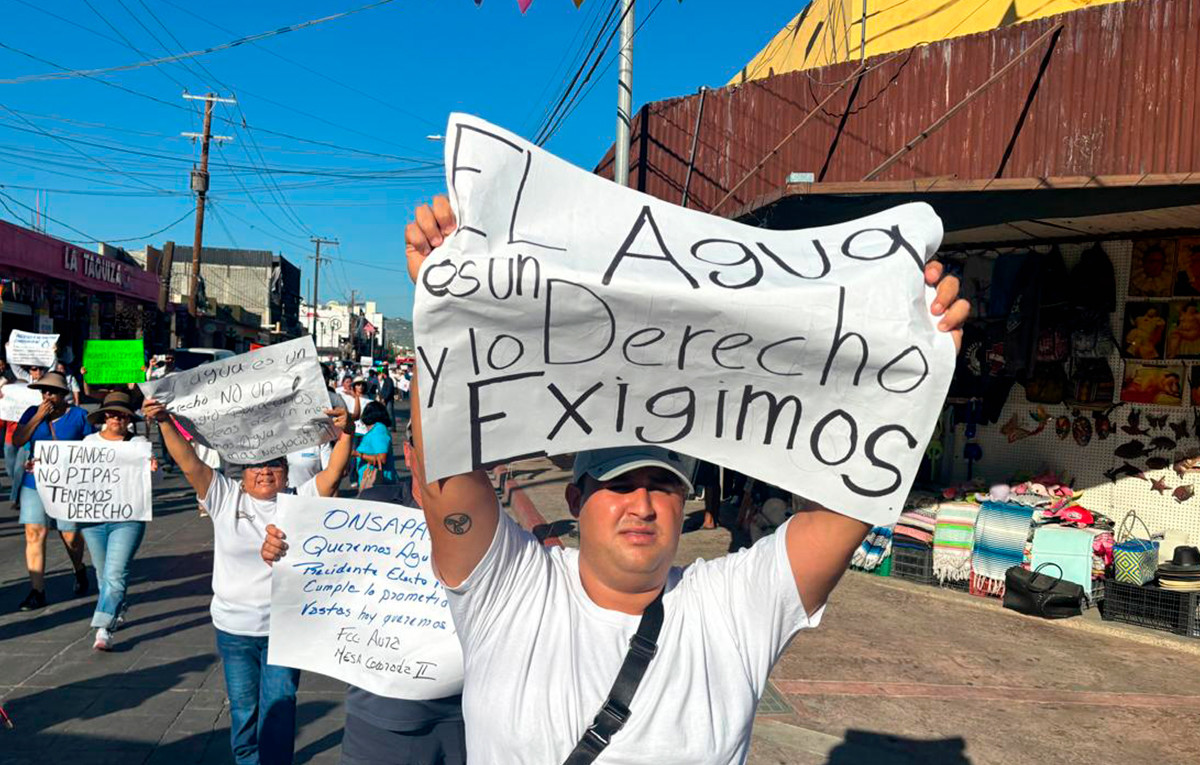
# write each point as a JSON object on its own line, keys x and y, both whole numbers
{"x": 459, "y": 523}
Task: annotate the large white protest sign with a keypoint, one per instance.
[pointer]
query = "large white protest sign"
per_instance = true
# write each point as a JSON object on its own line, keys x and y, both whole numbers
{"x": 28, "y": 349}
{"x": 17, "y": 398}
{"x": 356, "y": 599}
{"x": 568, "y": 313}
{"x": 252, "y": 407}
{"x": 94, "y": 481}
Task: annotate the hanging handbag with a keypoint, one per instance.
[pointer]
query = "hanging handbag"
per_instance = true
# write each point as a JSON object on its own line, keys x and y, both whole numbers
{"x": 1036, "y": 594}
{"x": 1135, "y": 561}
{"x": 615, "y": 712}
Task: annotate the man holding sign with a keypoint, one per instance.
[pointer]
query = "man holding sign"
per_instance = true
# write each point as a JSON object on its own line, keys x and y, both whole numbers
{"x": 686, "y": 653}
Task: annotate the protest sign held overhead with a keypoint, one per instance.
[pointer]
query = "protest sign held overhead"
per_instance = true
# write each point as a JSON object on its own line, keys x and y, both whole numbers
{"x": 252, "y": 407}
{"x": 356, "y": 599}
{"x": 94, "y": 481}
{"x": 568, "y": 313}
{"x": 111, "y": 362}
{"x": 17, "y": 398}
{"x": 29, "y": 349}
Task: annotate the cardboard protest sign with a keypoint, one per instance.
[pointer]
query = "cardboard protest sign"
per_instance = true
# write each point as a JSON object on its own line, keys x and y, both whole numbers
{"x": 17, "y": 398}
{"x": 356, "y": 599}
{"x": 111, "y": 362}
{"x": 568, "y": 313}
{"x": 252, "y": 407}
{"x": 94, "y": 481}
{"x": 28, "y": 349}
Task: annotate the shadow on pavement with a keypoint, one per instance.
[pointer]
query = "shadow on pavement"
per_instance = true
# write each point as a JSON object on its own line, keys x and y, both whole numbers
{"x": 310, "y": 712}
{"x": 96, "y": 697}
{"x": 862, "y": 746}
{"x": 81, "y": 610}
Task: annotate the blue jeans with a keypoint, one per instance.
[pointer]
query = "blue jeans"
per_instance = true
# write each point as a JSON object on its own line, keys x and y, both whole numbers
{"x": 14, "y": 463}
{"x": 112, "y": 546}
{"x": 262, "y": 701}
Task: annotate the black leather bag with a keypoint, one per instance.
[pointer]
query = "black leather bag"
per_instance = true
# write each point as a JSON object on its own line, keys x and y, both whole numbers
{"x": 1038, "y": 594}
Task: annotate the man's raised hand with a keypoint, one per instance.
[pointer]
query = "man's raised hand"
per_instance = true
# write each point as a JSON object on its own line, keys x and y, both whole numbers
{"x": 430, "y": 226}
{"x": 953, "y": 309}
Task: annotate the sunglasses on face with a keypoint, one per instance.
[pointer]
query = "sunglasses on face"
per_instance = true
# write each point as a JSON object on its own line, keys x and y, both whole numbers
{"x": 262, "y": 468}
{"x": 115, "y": 416}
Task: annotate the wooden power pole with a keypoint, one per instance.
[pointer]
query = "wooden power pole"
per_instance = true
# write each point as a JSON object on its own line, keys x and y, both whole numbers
{"x": 200, "y": 187}
{"x": 316, "y": 293}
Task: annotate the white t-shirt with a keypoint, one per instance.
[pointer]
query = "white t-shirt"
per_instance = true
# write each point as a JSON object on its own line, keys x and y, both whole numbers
{"x": 97, "y": 437}
{"x": 241, "y": 582}
{"x": 533, "y": 637}
{"x": 304, "y": 465}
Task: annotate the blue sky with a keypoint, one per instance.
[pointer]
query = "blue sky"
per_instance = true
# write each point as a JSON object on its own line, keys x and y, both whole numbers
{"x": 399, "y": 70}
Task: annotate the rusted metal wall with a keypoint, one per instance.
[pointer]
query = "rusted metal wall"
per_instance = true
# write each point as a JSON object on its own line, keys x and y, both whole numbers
{"x": 1118, "y": 96}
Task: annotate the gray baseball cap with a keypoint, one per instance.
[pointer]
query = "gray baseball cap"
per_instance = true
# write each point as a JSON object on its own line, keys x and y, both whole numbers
{"x": 607, "y": 464}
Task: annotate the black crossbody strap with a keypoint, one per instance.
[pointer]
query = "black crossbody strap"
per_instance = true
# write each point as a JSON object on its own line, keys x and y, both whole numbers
{"x": 615, "y": 712}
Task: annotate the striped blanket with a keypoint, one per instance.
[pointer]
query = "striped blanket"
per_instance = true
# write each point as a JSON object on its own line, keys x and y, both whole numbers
{"x": 953, "y": 541}
{"x": 874, "y": 550}
{"x": 1001, "y": 531}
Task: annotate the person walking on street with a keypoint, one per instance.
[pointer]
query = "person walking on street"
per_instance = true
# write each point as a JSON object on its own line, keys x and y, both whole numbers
{"x": 53, "y": 420}
{"x": 387, "y": 396}
{"x": 523, "y": 610}
{"x": 428, "y": 732}
{"x": 112, "y": 544}
{"x": 262, "y": 697}
{"x": 375, "y": 463}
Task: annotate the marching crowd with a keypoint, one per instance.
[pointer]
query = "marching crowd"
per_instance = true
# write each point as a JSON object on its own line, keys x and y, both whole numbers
{"x": 608, "y": 651}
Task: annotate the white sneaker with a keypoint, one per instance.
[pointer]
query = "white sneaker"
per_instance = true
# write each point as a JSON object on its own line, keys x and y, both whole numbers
{"x": 103, "y": 640}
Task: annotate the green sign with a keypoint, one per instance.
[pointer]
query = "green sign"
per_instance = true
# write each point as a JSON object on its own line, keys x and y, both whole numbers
{"x": 109, "y": 362}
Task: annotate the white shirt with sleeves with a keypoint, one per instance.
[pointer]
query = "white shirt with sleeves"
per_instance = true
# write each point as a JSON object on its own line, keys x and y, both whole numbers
{"x": 540, "y": 656}
{"x": 241, "y": 581}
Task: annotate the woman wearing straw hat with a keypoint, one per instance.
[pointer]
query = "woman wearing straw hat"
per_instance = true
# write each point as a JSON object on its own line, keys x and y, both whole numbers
{"x": 114, "y": 543}
{"x": 53, "y": 420}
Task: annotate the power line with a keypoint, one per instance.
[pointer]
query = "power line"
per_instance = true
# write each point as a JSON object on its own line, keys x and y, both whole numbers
{"x": 298, "y": 64}
{"x": 369, "y": 265}
{"x": 571, "y": 85}
{"x": 559, "y": 70}
{"x": 323, "y": 172}
{"x": 192, "y": 54}
{"x": 82, "y": 153}
{"x": 162, "y": 102}
{"x": 88, "y": 238}
{"x": 576, "y": 102}
{"x": 126, "y": 42}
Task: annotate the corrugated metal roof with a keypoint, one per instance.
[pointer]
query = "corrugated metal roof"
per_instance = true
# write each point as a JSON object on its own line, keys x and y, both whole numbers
{"x": 1118, "y": 96}
{"x": 831, "y": 31}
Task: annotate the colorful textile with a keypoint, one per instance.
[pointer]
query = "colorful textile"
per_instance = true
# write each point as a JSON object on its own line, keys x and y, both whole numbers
{"x": 918, "y": 523}
{"x": 1001, "y": 531}
{"x": 1069, "y": 549}
{"x": 953, "y": 541}
{"x": 874, "y": 550}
